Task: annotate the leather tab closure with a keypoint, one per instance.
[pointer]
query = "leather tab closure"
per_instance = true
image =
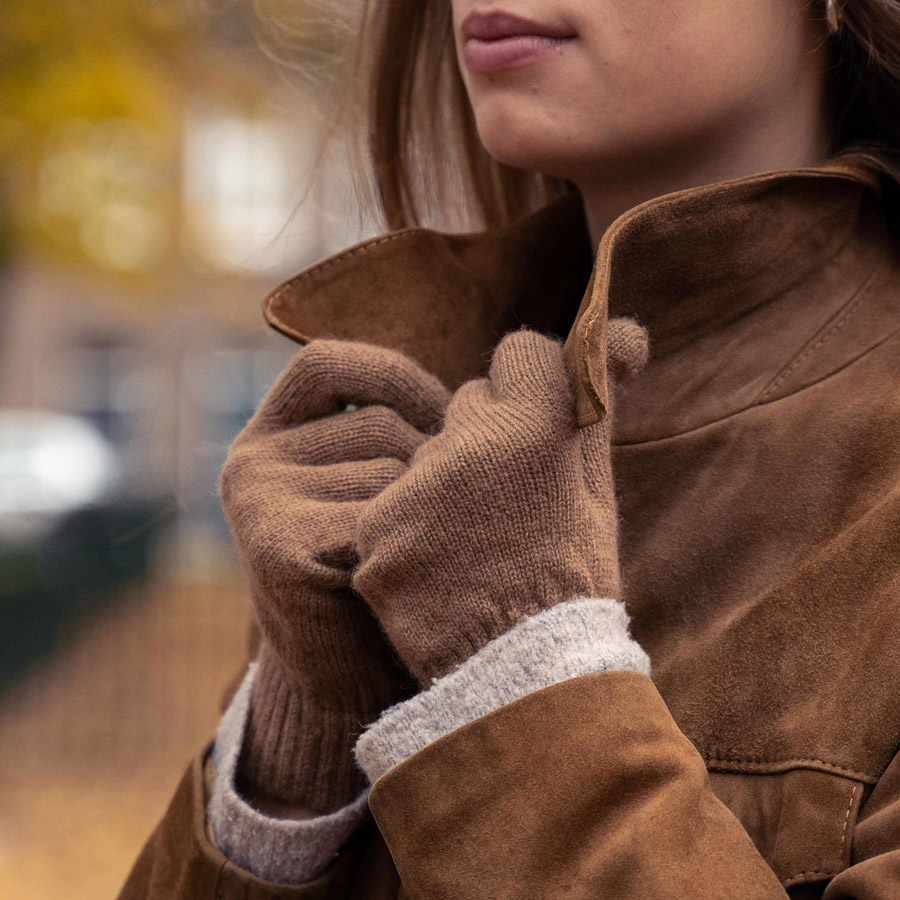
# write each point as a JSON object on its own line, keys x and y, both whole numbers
{"x": 585, "y": 356}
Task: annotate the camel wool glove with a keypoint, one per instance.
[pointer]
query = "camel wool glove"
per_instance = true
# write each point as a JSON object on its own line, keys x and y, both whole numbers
{"x": 293, "y": 487}
{"x": 508, "y": 511}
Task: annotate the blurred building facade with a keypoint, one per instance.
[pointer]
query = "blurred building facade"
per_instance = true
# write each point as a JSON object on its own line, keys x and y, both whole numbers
{"x": 159, "y": 175}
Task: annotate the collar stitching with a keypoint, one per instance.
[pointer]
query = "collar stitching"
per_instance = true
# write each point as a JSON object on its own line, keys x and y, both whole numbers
{"x": 358, "y": 250}
{"x": 756, "y": 405}
{"x": 828, "y": 330}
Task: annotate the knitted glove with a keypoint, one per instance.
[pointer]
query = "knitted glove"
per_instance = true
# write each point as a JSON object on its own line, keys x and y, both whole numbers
{"x": 293, "y": 487}
{"x": 509, "y": 510}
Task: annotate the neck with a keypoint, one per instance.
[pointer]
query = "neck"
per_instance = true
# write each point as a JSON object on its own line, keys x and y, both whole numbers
{"x": 795, "y": 136}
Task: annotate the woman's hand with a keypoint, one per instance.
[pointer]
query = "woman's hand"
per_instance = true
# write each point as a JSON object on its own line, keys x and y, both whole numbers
{"x": 509, "y": 510}
{"x": 294, "y": 485}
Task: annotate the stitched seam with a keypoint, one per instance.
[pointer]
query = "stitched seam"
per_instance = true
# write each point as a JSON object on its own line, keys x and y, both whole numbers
{"x": 846, "y": 823}
{"x": 835, "y": 326}
{"x": 791, "y": 879}
{"x": 893, "y": 335}
{"x": 830, "y": 330}
{"x": 366, "y": 246}
{"x": 760, "y": 760}
{"x": 375, "y": 242}
{"x": 347, "y": 254}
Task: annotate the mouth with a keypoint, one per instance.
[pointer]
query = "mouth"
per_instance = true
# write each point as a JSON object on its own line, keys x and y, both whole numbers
{"x": 500, "y": 40}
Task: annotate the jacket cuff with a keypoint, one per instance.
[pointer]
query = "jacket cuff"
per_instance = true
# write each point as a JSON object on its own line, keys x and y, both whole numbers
{"x": 284, "y": 851}
{"x": 582, "y": 636}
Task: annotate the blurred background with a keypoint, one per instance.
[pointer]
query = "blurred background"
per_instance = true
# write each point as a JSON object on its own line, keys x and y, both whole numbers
{"x": 160, "y": 172}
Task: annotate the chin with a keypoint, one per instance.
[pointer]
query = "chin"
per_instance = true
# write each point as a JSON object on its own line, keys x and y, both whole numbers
{"x": 566, "y": 149}
{"x": 544, "y": 146}
{"x": 526, "y": 142}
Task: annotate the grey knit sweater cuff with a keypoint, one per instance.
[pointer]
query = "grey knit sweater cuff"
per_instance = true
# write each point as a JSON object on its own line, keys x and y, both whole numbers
{"x": 284, "y": 851}
{"x": 576, "y": 638}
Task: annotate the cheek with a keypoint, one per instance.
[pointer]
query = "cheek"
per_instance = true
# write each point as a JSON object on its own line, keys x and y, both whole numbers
{"x": 642, "y": 79}
{"x": 718, "y": 61}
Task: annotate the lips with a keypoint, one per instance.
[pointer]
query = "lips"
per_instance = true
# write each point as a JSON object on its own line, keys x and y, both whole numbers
{"x": 499, "y": 40}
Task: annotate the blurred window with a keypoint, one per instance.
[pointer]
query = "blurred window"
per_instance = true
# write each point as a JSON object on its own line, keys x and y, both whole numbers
{"x": 239, "y": 191}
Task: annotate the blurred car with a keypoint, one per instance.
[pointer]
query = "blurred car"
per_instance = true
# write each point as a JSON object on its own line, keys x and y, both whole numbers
{"x": 70, "y": 536}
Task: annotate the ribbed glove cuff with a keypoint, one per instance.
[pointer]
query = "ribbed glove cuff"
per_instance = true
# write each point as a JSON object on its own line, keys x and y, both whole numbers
{"x": 295, "y": 749}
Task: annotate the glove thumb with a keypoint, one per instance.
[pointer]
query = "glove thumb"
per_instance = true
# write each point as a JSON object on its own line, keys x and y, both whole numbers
{"x": 628, "y": 347}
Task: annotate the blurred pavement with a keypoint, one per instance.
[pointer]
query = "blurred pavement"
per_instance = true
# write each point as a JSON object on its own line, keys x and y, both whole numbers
{"x": 94, "y": 741}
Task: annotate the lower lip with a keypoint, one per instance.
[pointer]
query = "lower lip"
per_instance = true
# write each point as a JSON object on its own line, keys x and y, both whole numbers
{"x": 505, "y": 53}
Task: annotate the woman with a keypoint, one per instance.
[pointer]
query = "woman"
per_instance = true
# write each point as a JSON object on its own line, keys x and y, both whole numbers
{"x": 424, "y": 502}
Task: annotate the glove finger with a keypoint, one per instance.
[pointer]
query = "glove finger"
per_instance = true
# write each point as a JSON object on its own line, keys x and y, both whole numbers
{"x": 596, "y": 458}
{"x": 325, "y": 562}
{"x": 336, "y": 548}
{"x": 367, "y": 433}
{"x": 352, "y": 481}
{"x": 336, "y": 482}
{"x": 282, "y": 513}
{"x": 471, "y": 401}
{"x": 530, "y": 366}
{"x": 327, "y": 374}
{"x": 304, "y": 550}
{"x": 628, "y": 347}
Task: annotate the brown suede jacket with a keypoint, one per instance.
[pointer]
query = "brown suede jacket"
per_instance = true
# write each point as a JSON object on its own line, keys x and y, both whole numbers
{"x": 757, "y": 465}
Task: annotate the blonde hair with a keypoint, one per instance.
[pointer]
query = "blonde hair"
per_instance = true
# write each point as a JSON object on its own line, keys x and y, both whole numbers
{"x": 418, "y": 157}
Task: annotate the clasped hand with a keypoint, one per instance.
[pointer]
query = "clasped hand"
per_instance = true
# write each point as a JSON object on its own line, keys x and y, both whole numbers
{"x": 451, "y": 518}
{"x": 508, "y": 510}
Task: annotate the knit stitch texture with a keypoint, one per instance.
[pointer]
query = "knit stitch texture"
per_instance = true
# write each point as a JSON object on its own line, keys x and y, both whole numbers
{"x": 576, "y": 638}
{"x": 338, "y": 427}
{"x": 284, "y": 851}
{"x": 507, "y": 511}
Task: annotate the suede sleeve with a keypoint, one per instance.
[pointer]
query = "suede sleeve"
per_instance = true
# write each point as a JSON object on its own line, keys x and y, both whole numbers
{"x": 587, "y": 789}
{"x": 181, "y": 860}
{"x": 583, "y": 789}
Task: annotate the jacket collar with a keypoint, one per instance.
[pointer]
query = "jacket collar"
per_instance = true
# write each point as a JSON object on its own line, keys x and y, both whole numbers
{"x": 730, "y": 280}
